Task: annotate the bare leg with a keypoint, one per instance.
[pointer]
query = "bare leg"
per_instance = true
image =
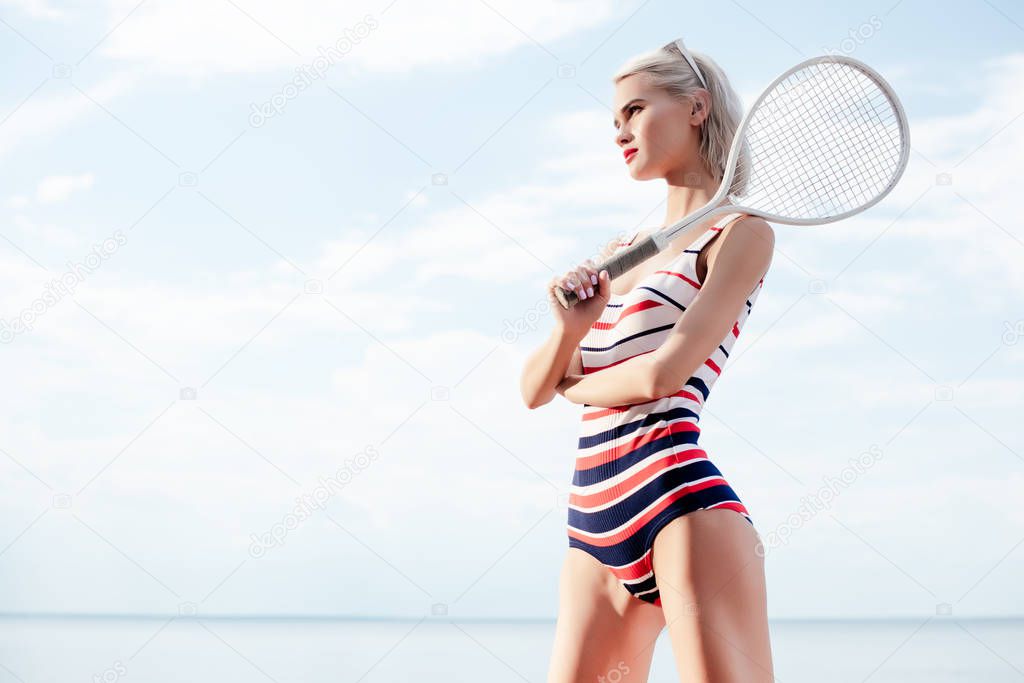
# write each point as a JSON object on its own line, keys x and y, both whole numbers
{"x": 714, "y": 598}
{"x": 603, "y": 633}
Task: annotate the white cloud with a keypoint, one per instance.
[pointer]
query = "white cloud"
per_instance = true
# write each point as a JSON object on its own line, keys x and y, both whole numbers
{"x": 17, "y": 202}
{"x": 201, "y": 38}
{"x": 57, "y": 188}
{"x": 57, "y": 106}
{"x": 39, "y": 9}
{"x": 55, "y": 235}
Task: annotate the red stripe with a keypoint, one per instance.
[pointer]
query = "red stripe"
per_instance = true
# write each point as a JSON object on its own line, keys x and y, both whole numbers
{"x": 605, "y": 412}
{"x": 639, "y": 522}
{"x": 633, "y": 570}
{"x": 680, "y": 276}
{"x": 625, "y": 313}
{"x": 627, "y": 486}
{"x": 585, "y": 462}
{"x": 730, "y": 505}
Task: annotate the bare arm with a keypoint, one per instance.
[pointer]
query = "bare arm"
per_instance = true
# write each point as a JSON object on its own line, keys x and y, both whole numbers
{"x": 559, "y": 355}
{"x": 548, "y": 365}
{"x": 632, "y": 381}
{"x": 742, "y": 260}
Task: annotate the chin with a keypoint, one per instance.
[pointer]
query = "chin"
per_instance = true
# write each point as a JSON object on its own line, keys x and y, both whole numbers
{"x": 643, "y": 169}
{"x": 640, "y": 172}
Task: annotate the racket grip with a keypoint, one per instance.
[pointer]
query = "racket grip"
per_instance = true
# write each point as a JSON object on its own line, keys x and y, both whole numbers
{"x": 616, "y": 266}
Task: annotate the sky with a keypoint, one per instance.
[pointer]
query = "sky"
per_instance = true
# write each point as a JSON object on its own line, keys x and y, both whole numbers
{"x": 269, "y": 274}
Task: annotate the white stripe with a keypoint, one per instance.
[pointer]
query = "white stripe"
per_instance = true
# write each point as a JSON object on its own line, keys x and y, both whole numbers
{"x": 647, "y": 407}
{"x": 726, "y": 502}
{"x": 591, "y": 428}
{"x": 654, "y": 503}
{"x": 605, "y": 484}
{"x": 630, "y": 492}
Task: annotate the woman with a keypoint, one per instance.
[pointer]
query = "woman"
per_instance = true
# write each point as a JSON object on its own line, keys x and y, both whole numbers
{"x": 657, "y": 537}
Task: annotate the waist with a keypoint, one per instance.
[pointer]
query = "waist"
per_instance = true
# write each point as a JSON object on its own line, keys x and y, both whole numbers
{"x": 691, "y": 396}
{"x": 608, "y": 438}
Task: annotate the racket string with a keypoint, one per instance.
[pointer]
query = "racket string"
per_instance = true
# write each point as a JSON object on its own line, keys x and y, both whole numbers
{"x": 817, "y": 175}
{"x": 824, "y": 141}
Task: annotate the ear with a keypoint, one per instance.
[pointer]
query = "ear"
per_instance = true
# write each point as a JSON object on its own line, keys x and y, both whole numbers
{"x": 701, "y": 105}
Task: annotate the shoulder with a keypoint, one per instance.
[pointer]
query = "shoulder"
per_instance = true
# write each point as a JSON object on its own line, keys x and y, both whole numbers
{"x": 747, "y": 242}
{"x": 751, "y": 228}
{"x": 749, "y": 234}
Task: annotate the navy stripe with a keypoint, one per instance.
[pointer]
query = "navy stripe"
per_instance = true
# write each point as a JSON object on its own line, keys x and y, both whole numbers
{"x": 665, "y": 297}
{"x": 648, "y": 419}
{"x": 700, "y": 385}
{"x": 598, "y": 473}
{"x": 598, "y": 349}
{"x": 603, "y": 521}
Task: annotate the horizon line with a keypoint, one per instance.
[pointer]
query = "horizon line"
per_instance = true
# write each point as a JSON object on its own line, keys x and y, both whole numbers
{"x": 152, "y": 616}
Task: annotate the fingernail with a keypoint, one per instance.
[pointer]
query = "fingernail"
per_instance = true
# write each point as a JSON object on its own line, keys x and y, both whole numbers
{"x": 593, "y": 279}
{"x": 590, "y": 291}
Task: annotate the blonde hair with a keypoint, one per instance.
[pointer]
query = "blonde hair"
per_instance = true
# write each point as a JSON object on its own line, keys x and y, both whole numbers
{"x": 666, "y": 68}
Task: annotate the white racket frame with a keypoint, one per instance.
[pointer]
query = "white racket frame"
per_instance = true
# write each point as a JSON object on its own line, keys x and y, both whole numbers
{"x": 664, "y": 236}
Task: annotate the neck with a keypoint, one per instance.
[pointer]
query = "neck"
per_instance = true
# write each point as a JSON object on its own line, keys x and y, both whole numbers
{"x": 685, "y": 195}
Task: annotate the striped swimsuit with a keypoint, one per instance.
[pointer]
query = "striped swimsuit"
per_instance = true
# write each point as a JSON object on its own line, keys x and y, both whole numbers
{"x": 638, "y": 466}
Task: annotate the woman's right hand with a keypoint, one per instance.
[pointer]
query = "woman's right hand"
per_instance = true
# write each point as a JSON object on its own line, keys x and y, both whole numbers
{"x": 593, "y": 289}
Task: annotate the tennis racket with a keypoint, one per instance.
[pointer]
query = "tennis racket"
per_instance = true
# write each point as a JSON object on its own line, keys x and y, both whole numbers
{"x": 825, "y": 140}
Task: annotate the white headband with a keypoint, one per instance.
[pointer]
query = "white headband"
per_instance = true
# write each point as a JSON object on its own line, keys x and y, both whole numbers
{"x": 692, "y": 63}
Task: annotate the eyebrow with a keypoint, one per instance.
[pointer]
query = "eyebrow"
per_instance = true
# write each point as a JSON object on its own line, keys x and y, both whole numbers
{"x": 626, "y": 106}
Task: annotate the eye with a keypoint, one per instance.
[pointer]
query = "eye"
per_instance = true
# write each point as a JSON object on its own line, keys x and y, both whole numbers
{"x": 629, "y": 112}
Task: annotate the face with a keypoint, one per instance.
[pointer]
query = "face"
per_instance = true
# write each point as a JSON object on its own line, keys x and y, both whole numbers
{"x": 664, "y": 131}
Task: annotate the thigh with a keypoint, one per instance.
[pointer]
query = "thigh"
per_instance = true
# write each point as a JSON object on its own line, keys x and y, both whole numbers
{"x": 711, "y": 578}
{"x": 602, "y": 630}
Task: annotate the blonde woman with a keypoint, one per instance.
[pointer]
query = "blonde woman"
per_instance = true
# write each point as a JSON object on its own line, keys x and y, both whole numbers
{"x": 657, "y": 537}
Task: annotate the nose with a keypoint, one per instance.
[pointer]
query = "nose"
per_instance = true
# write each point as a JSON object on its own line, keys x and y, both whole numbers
{"x": 622, "y": 137}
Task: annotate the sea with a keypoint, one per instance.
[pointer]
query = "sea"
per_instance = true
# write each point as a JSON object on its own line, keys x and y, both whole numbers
{"x": 159, "y": 649}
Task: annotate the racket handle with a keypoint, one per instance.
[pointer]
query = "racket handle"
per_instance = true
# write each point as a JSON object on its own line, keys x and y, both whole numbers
{"x": 616, "y": 266}
{"x": 566, "y": 297}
